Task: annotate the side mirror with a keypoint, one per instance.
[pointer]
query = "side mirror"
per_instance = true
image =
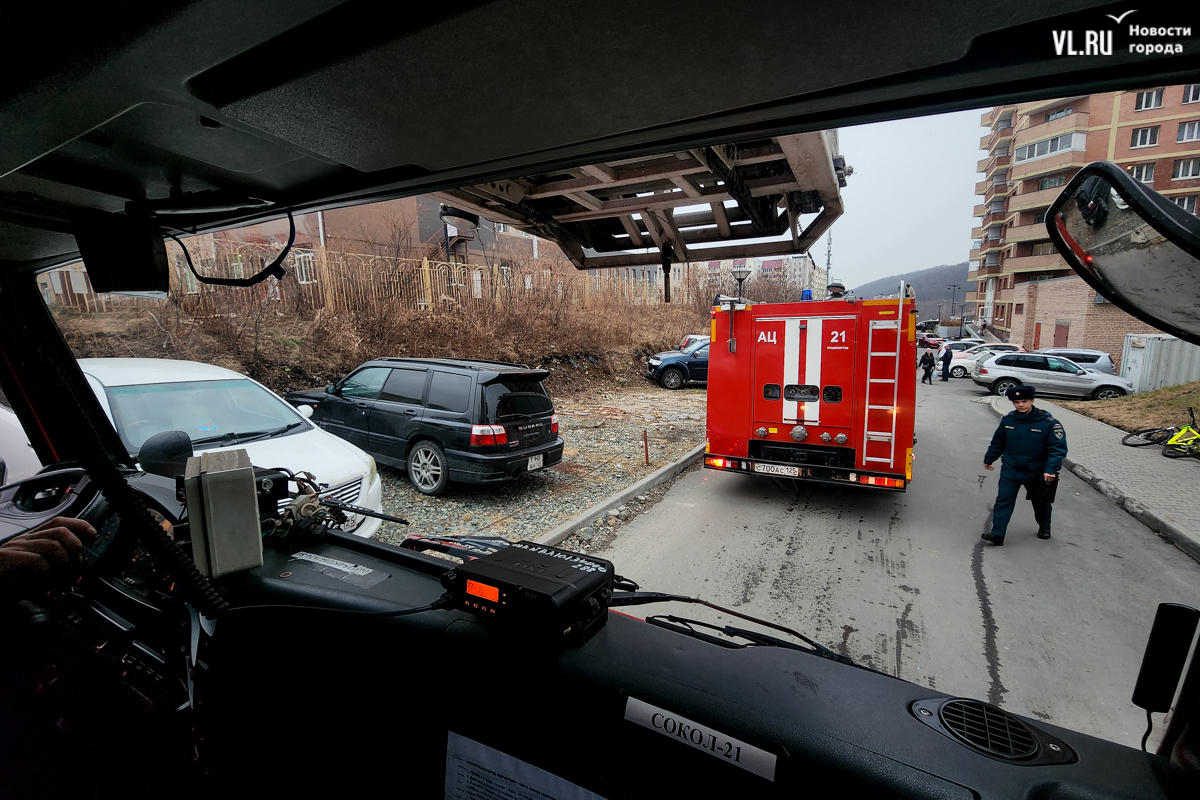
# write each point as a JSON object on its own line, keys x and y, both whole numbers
{"x": 305, "y": 411}
{"x": 330, "y": 389}
{"x": 166, "y": 453}
{"x": 676, "y": 347}
{"x": 1132, "y": 245}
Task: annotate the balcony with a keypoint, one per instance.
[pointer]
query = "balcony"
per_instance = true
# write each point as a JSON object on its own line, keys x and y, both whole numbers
{"x": 1048, "y": 164}
{"x": 1026, "y": 233}
{"x": 994, "y": 218}
{"x": 1035, "y": 263}
{"x": 979, "y": 210}
{"x": 971, "y": 297}
{"x": 992, "y": 246}
{"x": 993, "y": 269}
{"x": 1002, "y": 296}
{"x": 972, "y": 274}
{"x": 974, "y": 255}
{"x": 1042, "y": 105}
{"x": 990, "y": 140}
{"x": 977, "y": 233}
{"x": 997, "y": 190}
{"x": 986, "y": 165}
{"x": 1035, "y": 133}
{"x": 1033, "y": 200}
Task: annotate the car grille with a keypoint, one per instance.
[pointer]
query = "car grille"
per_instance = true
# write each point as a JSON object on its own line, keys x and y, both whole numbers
{"x": 346, "y": 493}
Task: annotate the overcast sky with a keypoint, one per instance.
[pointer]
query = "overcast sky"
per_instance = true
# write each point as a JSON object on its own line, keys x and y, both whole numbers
{"x": 909, "y": 202}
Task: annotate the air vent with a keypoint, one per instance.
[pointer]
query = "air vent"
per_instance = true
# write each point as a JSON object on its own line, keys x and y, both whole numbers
{"x": 989, "y": 729}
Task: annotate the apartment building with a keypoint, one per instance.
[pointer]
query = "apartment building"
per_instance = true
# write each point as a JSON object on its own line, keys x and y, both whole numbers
{"x": 1033, "y": 149}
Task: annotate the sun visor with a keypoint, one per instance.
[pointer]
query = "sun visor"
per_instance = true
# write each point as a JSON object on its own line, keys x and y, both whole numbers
{"x": 121, "y": 253}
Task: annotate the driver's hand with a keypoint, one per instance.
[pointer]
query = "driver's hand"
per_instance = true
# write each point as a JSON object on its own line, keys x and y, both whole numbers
{"x": 51, "y": 547}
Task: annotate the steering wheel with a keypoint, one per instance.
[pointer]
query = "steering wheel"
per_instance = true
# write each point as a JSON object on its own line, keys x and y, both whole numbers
{"x": 60, "y": 493}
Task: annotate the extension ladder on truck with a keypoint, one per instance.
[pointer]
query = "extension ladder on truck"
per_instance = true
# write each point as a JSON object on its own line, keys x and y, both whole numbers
{"x": 883, "y": 387}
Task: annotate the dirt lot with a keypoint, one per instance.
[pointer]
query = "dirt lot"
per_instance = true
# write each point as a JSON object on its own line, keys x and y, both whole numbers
{"x": 604, "y": 454}
{"x": 1161, "y": 408}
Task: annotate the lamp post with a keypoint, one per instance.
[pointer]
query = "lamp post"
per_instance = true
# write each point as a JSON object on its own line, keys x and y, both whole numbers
{"x": 953, "y": 290}
{"x": 739, "y": 274}
{"x": 939, "y": 322}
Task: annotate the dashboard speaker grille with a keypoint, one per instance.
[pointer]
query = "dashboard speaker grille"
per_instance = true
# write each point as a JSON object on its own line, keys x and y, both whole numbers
{"x": 988, "y": 728}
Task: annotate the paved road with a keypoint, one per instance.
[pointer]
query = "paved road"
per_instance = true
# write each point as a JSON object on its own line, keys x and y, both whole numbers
{"x": 1051, "y": 629}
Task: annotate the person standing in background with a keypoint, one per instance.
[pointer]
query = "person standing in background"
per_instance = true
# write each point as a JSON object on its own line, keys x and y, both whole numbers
{"x": 946, "y": 357}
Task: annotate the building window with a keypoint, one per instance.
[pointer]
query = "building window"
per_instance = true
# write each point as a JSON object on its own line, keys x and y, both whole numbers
{"x": 304, "y": 266}
{"x": 1043, "y": 249}
{"x": 1142, "y": 172}
{"x": 1191, "y": 93}
{"x": 1144, "y": 137}
{"x": 1044, "y": 147}
{"x": 1039, "y": 217}
{"x": 501, "y": 227}
{"x": 1186, "y": 168}
{"x": 1051, "y": 182}
{"x": 236, "y": 268}
{"x": 1057, "y": 114}
{"x": 1019, "y": 309}
{"x": 477, "y": 284}
{"x": 1189, "y": 131}
{"x": 1148, "y": 100}
{"x": 1188, "y": 204}
{"x": 991, "y": 260}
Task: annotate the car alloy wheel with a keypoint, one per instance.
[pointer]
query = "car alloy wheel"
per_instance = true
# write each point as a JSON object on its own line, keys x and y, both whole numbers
{"x": 672, "y": 379}
{"x": 427, "y": 468}
{"x": 959, "y": 372}
{"x": 1003, "y": 385}
{"x": 1108, "y": 393}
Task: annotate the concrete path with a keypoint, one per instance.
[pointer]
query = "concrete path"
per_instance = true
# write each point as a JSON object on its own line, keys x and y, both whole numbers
{"x": 1160, "y": 492}
{"x": 1050, "y": 629}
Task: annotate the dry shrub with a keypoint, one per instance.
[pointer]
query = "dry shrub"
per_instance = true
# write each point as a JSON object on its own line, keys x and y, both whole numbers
{"x": 581, "y": 336}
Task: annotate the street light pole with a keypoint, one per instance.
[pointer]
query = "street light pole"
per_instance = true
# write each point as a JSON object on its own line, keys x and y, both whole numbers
{"x": 953, "y": 290}
{"x": 740, "y": 274}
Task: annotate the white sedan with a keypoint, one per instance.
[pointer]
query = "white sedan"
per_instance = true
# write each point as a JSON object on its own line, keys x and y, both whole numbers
{"x": 224, "y": 410}
{"x": 964, "y": 361}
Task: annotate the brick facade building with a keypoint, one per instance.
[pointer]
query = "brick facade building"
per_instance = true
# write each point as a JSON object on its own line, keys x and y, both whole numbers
{"x": 1033, "y": 149}
{"x": 1066, "y": 312}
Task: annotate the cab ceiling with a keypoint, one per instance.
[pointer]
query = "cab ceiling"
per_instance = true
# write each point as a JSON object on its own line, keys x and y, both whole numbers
{"x": 233, "y": 111}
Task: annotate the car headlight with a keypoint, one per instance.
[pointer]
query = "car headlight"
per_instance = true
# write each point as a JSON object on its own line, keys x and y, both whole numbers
{"x": 371, "y": 470}
{"x": 654, "y": 362}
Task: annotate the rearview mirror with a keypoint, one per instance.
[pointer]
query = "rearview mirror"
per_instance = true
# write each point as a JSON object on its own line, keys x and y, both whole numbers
{"x": 1133, "y": 246}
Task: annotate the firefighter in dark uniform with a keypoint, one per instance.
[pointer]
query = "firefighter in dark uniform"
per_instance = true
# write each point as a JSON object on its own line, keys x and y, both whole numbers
{"x": 1032, "y": 445}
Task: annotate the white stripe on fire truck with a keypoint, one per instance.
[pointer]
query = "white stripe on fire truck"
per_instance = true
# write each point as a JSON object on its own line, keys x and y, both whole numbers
{"x": 791, "y": 364}
{"x": 812, "y": 366}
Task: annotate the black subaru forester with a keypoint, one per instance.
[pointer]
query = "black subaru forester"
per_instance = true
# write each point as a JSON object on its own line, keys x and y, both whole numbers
{"x": 443, "y": 419}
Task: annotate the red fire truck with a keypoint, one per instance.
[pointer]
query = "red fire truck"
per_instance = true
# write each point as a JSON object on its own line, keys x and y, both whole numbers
{"x": 819, "y": 390}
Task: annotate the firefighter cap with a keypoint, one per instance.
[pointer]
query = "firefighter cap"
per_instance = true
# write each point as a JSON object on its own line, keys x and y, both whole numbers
{"x": 1021, "y": 393}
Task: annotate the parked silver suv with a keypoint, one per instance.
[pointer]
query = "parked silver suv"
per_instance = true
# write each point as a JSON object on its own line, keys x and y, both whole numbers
{"x": 1051, "y": 375}
{"x": 1097, "y": 360}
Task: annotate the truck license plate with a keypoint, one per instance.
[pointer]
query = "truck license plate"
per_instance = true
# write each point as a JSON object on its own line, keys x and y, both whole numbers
{"x": 535, "y": 462}
{"x": 775, "y": 469}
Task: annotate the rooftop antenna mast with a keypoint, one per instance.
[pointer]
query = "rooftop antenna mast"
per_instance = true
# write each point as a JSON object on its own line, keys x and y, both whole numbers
{"x": 829, "y": 252}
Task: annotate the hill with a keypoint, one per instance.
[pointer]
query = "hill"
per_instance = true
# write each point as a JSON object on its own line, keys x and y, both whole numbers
{"x": 929, "y": 285}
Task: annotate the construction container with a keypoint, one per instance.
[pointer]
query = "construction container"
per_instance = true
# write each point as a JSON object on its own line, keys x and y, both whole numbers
{"x": 1156, "y": 360}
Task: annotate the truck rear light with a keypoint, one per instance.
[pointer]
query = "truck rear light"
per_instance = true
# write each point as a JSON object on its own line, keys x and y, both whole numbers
{"x": 489, "y": 434}
{"x": 720, "y": 463}
{"x": 554, "y": 423}
{"x": 873, "y": 480}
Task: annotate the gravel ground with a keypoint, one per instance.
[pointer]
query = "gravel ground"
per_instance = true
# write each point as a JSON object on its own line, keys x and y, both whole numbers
{"x": 604, "y": 454}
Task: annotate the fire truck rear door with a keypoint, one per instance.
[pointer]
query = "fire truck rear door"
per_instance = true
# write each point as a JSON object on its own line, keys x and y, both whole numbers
{"x": 804, "y": 372}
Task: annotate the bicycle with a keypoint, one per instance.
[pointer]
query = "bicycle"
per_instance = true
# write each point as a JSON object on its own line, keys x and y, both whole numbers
{"x": 1177, "y": 442}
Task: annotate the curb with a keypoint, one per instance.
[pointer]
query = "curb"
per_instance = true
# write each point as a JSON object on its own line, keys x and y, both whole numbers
{"x": 1182, "y": 539}
{"x": 598, "y": 510}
